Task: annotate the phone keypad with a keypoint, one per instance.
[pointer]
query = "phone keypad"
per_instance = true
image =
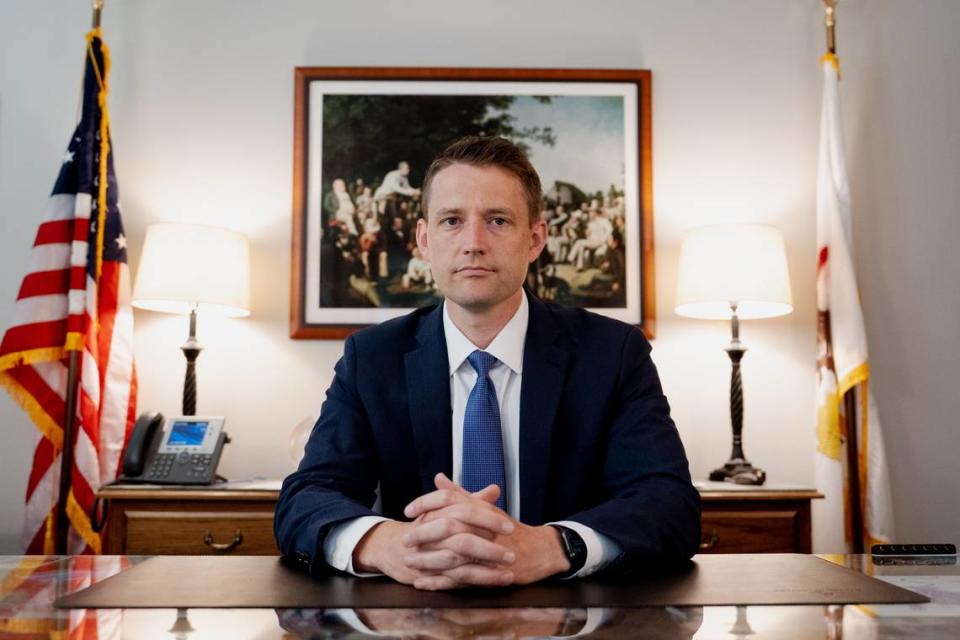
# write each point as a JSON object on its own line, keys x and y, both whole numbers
{"x": 181, "y": 466}
{"x": 162, "y": 466}
{"x": 199, "y": 464}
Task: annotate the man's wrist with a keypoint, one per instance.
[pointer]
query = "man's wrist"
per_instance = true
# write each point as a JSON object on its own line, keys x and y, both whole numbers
{"x": 560, "y": 564}
{"x": 366, "y": 555}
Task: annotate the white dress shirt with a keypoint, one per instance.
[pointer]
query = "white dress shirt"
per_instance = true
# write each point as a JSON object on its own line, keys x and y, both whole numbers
{"x": 506, "y": 375}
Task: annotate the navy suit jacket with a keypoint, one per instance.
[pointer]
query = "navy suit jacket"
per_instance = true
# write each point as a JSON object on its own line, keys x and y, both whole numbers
{"x": 597, "y": 444}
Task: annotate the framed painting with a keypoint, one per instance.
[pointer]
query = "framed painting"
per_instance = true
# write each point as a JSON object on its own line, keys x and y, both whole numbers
{"x": 364, "y": 137}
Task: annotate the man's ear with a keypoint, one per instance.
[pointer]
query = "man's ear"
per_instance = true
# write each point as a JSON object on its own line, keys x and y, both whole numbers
{"x": 422, "y": 239}
{"x": 538, "y": 239}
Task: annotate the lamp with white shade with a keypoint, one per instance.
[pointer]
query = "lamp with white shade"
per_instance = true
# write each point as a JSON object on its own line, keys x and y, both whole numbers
{"x": 736, "y": 272}
{"x": 191, "y": 269}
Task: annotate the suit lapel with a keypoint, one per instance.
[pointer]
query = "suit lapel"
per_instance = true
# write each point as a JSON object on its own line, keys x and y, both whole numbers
{"x": 544, "y": 369}
{"x": 428, "y": 393}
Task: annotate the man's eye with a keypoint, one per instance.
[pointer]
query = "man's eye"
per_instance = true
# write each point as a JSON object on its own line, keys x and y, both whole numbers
{"x": 449, "y": 222}
{"x": 499, "y": 221}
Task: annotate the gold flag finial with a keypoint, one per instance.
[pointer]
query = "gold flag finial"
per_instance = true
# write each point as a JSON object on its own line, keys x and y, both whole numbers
{"x": 830, "y": 21}
{"x": 97, "y": 11}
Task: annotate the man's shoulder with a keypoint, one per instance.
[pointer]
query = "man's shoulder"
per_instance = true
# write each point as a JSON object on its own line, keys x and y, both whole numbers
{"x": 580, "y": 324}
{"x": 393, "y": 334}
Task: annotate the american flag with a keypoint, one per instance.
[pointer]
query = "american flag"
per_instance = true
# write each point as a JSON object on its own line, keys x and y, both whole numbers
{"x": 76, "y": 297}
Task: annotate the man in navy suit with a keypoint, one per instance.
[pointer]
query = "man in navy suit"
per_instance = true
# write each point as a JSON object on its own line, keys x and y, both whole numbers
{"x": 510, "y": 439}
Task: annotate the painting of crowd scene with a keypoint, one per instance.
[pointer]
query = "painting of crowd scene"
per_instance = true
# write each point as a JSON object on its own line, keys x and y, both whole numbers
{"x": 376, "y": 149}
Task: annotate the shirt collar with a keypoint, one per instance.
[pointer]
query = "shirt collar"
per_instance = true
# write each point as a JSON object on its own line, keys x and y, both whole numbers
{"x": 507, "y": 346}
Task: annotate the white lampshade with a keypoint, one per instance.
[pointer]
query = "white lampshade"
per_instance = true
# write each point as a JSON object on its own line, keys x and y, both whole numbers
{"x": 744, "y": 264}
{"x": 187, "y": 264}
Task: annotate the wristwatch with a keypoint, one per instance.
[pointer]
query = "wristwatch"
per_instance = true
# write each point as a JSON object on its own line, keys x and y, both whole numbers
{"x": 574, "y": 547}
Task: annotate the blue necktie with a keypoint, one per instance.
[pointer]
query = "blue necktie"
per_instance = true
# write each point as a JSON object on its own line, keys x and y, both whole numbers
{"x": 482, "y": 440}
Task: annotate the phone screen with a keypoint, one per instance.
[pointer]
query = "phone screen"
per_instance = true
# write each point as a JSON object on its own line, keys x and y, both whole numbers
{"x": 187, "y": 433}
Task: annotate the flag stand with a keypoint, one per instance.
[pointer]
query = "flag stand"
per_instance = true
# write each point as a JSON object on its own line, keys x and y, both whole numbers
{"x": 62, "y": 528}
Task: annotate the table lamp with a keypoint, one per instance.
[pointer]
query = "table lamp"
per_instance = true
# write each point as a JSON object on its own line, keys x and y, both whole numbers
{"x": 189, "y": 268}
{"x": 737, "y": 272}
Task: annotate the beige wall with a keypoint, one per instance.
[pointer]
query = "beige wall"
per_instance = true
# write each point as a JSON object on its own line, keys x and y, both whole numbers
{"x": 202, "y": 101}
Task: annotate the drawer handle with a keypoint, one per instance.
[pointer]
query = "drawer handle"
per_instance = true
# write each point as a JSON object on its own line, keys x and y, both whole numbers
{"x": 223, "y": 546}
{"x": 710, "y": 544}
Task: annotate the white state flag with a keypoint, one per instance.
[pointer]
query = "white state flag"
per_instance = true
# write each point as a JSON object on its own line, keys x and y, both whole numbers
{"x": 842, "y": 365}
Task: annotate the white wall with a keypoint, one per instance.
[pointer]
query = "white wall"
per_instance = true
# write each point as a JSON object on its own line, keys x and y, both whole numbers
{"x": 903, "y": 100}
{"x": 202, "y": 106}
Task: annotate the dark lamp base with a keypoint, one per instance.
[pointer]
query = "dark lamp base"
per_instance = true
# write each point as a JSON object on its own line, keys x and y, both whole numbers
{"x": 739, "y": 471}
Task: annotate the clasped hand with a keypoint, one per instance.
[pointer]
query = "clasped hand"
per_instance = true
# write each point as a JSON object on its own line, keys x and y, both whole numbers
{"x": 457, "y": 539}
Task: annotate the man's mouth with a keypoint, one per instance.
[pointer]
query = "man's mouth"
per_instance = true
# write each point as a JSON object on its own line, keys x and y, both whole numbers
{"x": 473, "y": 270}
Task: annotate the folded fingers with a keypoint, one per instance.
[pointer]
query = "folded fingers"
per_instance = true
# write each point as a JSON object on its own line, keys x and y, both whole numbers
{"x": 459, "y": 518}
{"x": 458, "y": 550}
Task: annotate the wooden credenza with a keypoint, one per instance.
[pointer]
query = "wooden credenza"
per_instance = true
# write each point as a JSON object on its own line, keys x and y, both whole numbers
{"x": 151, "y": 520}
{"x": 736, "y": 519}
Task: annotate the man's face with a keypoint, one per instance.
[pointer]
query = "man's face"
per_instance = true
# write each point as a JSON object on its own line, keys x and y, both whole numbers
{"x": 478, "y": 237}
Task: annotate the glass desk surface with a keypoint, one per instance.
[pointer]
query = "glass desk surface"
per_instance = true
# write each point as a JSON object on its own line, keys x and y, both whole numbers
{"x": 30, "y": 584}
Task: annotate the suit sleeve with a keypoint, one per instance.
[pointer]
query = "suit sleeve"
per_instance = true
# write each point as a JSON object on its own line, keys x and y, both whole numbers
{"x": 337, "y": 477}
{"x": 651, "y": 509}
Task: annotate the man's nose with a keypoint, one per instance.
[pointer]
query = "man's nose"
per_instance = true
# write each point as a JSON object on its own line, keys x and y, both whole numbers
{"x": 475, "y": 236}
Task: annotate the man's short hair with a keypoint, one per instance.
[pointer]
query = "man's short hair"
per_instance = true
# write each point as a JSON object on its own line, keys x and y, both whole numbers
{"x": 478, "y": 151}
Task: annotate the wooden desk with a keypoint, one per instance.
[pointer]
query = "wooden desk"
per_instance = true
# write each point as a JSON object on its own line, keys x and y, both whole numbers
{"x": 195, "y": 521}
{"x": 36, "y": 581}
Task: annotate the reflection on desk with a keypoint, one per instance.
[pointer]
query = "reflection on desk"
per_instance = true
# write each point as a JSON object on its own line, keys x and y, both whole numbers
{"x": 661, "y": 622}
{"x": 30, "y": 584}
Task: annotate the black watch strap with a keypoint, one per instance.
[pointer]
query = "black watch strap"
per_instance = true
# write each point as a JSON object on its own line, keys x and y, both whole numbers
{"x": 574, "y": 547}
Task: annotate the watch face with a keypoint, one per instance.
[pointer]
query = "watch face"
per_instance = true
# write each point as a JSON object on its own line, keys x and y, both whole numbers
{"x": 574, "y": 547}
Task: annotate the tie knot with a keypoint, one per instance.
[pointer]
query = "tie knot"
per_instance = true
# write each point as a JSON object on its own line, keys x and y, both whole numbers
{"x": 481, "y": 361}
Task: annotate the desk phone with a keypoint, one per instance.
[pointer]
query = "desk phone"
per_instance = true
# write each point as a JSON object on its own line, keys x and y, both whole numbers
{"x": 186, "y": 450}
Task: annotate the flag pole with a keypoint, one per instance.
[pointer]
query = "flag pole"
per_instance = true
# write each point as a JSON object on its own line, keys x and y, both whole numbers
{"x": 830, "y": 21}
{"x": 849, "y": 398}
{"x": 62, "y": 528}
{"x": 66, "y": 455}
{"x": 853, "y": 472}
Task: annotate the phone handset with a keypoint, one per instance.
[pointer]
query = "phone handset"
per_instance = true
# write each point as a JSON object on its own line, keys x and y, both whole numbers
{"x": 140, "y": 440}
